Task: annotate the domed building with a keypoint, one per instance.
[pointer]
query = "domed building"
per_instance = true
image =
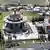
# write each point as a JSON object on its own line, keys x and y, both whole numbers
{"x": 16, "y": 28}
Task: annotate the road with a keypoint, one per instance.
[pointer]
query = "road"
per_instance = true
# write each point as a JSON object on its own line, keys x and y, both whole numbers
{"x": 26, "y": 49}
{"x": 37, "y": 46}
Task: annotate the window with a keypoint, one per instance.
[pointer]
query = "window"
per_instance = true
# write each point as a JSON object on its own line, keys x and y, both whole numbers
{"x": 23, "y": 27}
{"x": 9, "y": 25}
{"x": 18, "y": 28}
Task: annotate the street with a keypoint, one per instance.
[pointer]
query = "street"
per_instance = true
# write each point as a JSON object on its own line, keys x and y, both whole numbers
{"x": 36, "y": 46}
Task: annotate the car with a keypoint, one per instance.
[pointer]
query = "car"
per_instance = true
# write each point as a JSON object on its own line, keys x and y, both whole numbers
{"x": 37, "y": 9}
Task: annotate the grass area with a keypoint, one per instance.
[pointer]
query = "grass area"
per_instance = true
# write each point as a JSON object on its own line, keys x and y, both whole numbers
{"x": 1, "y": 18}
{"x": 1, "y": 24}
{"x": 28, "y": 43}
{"x": 31, "y": 15}
{"x": 22, "y": 45}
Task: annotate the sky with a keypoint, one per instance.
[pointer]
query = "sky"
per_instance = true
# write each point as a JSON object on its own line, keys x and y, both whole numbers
{"x": 23, "y": 1}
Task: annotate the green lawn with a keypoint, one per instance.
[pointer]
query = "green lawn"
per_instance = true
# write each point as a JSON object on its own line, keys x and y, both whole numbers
{"x": 1, "y": 18}
{"x": 31, "y": 15}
